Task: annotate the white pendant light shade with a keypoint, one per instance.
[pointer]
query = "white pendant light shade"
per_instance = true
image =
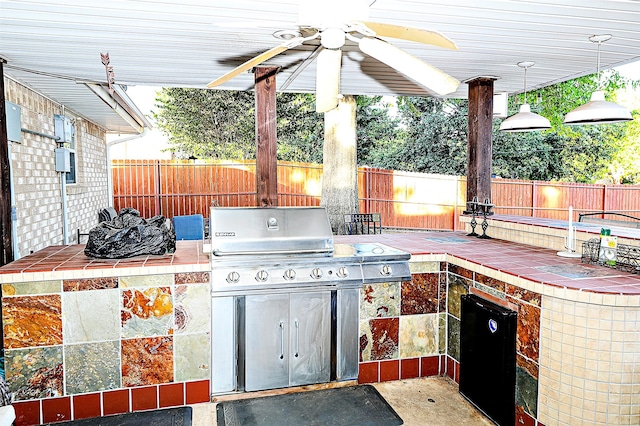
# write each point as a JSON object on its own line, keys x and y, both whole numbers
{"x": 598, "y": 111}
{"x": 525, "y": 120}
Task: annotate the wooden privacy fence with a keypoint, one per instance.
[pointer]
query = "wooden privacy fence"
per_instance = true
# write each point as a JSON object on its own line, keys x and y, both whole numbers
{"x": 405, "y": 200}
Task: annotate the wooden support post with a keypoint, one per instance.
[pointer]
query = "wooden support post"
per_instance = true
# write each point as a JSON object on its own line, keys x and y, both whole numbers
{"x": 6, "y": 255}
{"x": 266, "y": 137}
{"x": 480, "y": 128}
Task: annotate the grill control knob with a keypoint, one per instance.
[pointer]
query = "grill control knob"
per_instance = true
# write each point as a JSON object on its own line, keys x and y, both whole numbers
{"x": 233, "y": 277}
{"x": 262, "y": 276}
{"x": 385, "y": 270}
{"x": 289, "y": 274}
{"x": 316, "y": 273}
{"x": 343, "y": 272}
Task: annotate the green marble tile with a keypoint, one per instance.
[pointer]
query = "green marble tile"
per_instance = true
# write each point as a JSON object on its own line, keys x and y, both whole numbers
{"x": 422, "y": 267}
{"x": 442, "y": 333}
{"x": 35, "y": 287}
{"x": 192, "y": 309}
{"x": 163, "y": 280}
{"x": 91, "y": 316}
{"x": 34, "y": 373}
{"x": 526, "y": 391}
{"x": 418, "y": 335}
{"x": 380, "y": 300}
{"x": 92, "y": 367}
{"x": 192, "y": 356}
{"x": 490, "y": 290}
{"x": 457, "y": 286}
{"x": 453, "y": 337}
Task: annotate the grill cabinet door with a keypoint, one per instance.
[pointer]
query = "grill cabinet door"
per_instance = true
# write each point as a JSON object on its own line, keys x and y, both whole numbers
{"x": 266, "y": 341}
{"x": 310, "y": 338}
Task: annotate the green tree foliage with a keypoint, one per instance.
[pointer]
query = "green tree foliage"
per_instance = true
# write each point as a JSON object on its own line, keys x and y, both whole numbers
{"x": 414, "y": 134}
{"x": 433, "y": 137}
{"x": 207, "y": 123}
{"x": 300, "y": 128}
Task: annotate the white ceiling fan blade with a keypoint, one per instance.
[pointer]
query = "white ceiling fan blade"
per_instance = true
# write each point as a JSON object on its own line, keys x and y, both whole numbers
{"x": 249, "y": 64}
{"x": 328, "y": 79}
{"x": 414, "y": 68}
{"x": 411, "y": 34}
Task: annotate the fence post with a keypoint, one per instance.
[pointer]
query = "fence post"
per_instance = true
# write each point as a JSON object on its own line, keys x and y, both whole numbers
{"x": 534, "y": 199}
{"x": 158, "y": 189}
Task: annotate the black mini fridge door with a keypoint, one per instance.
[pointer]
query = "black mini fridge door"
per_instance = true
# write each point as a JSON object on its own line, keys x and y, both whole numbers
{"x": 488, "y": 358}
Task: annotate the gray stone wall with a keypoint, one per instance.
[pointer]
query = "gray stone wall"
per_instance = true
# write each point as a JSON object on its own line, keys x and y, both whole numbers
{"x": 37, "y": 186}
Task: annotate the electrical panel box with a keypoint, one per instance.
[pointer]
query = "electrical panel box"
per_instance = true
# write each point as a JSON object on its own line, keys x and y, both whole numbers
{"x": 63, "y": 160}
{"x": 12, "y": 112}
{"x": 63, "y": 128}
{"x": 500, "y": 103}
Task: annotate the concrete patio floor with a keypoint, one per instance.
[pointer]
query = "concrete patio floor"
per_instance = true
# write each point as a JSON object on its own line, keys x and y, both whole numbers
{"x": 427, "y": 401}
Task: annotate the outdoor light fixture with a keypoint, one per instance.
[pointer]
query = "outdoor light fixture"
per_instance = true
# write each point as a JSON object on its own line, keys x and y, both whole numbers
{"x": 525, "y": 120}
{"x": 597, "y": 110}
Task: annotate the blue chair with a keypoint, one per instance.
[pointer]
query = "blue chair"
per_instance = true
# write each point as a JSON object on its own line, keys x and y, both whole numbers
{"x": 190, "y": 227}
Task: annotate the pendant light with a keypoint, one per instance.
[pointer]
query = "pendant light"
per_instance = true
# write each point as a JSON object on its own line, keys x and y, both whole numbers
{"x": 597, "y": 110}
{"x": 525, "y": 120}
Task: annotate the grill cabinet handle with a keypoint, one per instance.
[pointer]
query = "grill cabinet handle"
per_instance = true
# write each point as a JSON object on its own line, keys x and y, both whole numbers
{"x": 281, "y": 339}
{"x": 297, "y": 324}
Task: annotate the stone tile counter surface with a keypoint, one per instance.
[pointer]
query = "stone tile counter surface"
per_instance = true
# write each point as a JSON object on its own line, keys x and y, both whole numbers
{"x": 86, "y": 337}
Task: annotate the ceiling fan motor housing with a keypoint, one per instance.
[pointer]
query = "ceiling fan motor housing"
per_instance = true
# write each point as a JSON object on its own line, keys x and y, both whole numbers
{"x": 332, "y": 38}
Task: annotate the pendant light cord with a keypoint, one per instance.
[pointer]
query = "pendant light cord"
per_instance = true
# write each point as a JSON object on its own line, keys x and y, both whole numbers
{"x": 599, "y": 79}
{"x": 525, "y": 84}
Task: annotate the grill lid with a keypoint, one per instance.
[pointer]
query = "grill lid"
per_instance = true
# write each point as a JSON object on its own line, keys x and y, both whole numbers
{"x": 270, "y": 231}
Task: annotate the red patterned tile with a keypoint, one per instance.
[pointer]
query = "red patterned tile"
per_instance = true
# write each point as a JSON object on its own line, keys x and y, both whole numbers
{"x": 147, "y": 361}
{"x": 526, "y": 295}
{"x": 442, "y": 292}
{"x": 389, "y": 370}
{"x": 368, "y": 372}
{"x": 27, "y": 413}
{"x": 171, "y": 395}
{"x": 490, "y": 282}
{"x": 420, "y": 295}
{"x": 528, "y": 329}
{"x": 32, "y": 321}
{"x": 56, "y": 409}
{"x": 145, "y": 398}
{"x": 384, "y": 338}
{"x": 116, "y": 402}
{"x": 450, "y": 368}
{"x": 197, "y": 392}
{"x": 86, "y": 406}
{"x": 459, "y": 270}
{"x": 430, "y": 366}
{"x": 524, "y": 419}
{"x": 90, "y": 284}
{"x": 409, "y": 368}
{"x": 192, "y": 278}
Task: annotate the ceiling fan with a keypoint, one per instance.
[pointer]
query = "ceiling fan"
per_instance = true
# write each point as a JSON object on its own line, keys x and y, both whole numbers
{"x": 336, "y": 21}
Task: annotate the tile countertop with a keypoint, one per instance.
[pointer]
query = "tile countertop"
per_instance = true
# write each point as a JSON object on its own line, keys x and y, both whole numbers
{"x": 532, "y": 263}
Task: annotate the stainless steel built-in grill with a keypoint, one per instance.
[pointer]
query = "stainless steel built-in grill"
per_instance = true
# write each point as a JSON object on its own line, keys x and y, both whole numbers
{"x": 285, "y": 297}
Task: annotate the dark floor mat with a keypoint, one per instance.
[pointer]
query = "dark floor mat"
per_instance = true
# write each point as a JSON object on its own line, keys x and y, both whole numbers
{"x": 179, "y": 416}
{"x": 348, "y": 406}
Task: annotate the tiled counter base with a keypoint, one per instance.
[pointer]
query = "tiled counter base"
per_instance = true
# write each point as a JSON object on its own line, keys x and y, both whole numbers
{"x": 547, "y": 233}
{"x": 86, "y": 338}
{"x": 89, "y": 342}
